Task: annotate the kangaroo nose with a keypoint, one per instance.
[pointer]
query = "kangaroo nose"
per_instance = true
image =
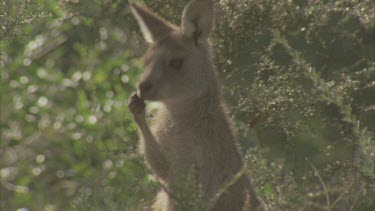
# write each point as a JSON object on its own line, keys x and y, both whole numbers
{"x": 144, "y": 87}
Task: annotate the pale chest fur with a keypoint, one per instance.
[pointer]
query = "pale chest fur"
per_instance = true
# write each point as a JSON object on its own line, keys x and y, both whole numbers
{"x": 203, "y": 141}
{"x": 182, "y": 143}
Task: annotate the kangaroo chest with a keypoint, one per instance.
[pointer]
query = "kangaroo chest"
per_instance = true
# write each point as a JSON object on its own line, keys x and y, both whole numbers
{"x": 205, "y": 142}
{"x": 184, "y": 142}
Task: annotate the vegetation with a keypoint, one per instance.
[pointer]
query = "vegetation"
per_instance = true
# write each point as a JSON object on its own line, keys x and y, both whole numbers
{"x": 299, "y": 77}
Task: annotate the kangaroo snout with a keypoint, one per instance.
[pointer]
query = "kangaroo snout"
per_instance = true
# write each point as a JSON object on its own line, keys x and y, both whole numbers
{"x": 143, "y": 88}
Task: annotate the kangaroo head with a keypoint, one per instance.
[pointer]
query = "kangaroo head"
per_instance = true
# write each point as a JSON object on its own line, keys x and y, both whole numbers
{"x": 179, "y": 59}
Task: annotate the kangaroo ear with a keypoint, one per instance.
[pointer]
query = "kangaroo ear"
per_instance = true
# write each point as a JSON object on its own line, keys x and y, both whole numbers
{"x": 198, "y": 20}
{"x": 153, "y": 27}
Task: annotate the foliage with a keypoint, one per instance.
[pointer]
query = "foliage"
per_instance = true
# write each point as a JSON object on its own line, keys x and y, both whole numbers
{"x": 298, "y": 76}
{"x": 68, "y": 140}
{"x": 306, "y": 93}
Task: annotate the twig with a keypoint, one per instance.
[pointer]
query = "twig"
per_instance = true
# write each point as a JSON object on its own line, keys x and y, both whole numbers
{"x": 225, "y": 187}
{"x": 173, "y": 196}
{"x": 342, "y": 194}
{"x": 321, "y": 182}
{"x": 356, "y": 198}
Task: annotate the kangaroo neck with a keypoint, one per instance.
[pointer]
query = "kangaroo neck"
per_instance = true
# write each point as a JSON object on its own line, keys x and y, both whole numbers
{"x": 201, "y": 108}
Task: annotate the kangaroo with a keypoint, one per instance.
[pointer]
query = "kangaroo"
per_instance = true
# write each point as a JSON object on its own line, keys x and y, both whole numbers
{"x": 191, "y": 134}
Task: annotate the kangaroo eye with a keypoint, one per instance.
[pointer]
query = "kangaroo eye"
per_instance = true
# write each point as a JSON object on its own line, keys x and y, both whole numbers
{"x": 176, "y": 63}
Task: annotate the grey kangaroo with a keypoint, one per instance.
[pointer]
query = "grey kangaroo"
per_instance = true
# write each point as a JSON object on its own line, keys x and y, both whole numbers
{"x": 191, "y": 136}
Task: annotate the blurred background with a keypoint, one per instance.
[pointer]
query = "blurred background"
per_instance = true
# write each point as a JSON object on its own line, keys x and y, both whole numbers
{"x": 299, "y": 77}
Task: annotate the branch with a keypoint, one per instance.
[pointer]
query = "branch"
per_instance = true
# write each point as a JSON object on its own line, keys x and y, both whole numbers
{"x": 321, "y": 182}
{"x": 342, "y": 194}
{"x": 356, "y": 198}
